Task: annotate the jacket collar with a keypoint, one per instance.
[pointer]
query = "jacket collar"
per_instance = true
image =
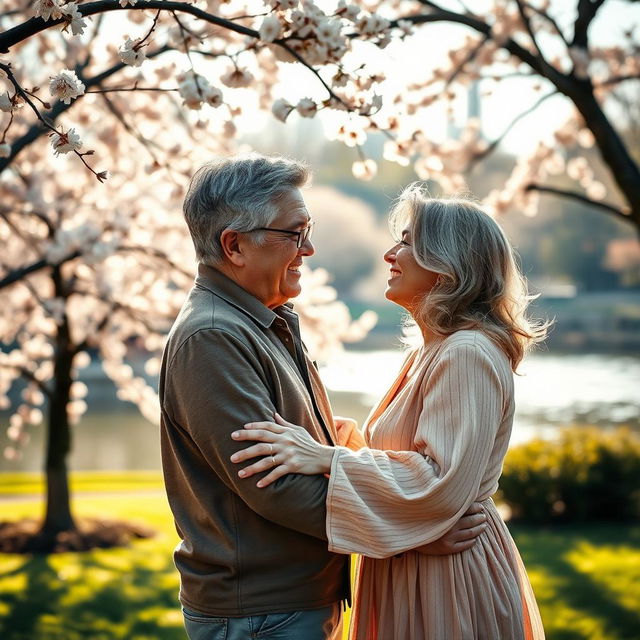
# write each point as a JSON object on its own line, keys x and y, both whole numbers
{"x": 221, "y": 285}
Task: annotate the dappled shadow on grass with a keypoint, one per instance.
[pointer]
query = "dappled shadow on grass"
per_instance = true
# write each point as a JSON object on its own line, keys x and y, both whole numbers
{"x": 584, "y": 579}
{"x": 25, "y": 536}
{"x": 102, "y": 595}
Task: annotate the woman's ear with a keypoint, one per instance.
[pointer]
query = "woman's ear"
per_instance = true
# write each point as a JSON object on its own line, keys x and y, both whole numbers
{"x": 231, "y": 247}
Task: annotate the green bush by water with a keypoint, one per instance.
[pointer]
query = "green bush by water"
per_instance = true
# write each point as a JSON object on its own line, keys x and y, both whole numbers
{"x": 586, "y": 474}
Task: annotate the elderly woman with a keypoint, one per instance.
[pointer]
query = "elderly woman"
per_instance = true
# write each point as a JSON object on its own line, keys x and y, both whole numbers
{"x": 434, "y": 444}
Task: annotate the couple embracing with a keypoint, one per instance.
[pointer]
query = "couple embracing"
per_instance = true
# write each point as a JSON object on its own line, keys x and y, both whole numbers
{"x": 271, "y": 493}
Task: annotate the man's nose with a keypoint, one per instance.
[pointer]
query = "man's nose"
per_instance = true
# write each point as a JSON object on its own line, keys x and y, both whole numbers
{"x": 307, "y": 249}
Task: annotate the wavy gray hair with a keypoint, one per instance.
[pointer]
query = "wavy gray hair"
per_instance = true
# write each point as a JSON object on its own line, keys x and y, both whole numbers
{"x": 238, "y": 193}
{"x": 480, "y": 285}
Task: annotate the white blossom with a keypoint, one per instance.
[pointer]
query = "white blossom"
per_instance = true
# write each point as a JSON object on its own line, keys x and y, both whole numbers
{"x": 372, "y": 25}
{"x": 281, "y": 109}
{"x": 307, "y": 108}
{"x": 235, "y": 77}
{"x": 329, "y": 32}
{"x": 352, "y": 134}
{"x": 47, "y": 9}
{"x": 125, "y": 3}
{"x": 270, "y": 28}
{"x": 282, "y": 5}
{"x": 405, "y": 26}
{"x": 349, "y": 11}
{"x": 5, "y": 150}
{"x": 195, "y": 90}
{"x": 131, "y": 54}
{"x": 73, "y": 18}
{"x": 65, "y": 142}
{"x": 66, "y": 86}
{"x": 364, "y": 169}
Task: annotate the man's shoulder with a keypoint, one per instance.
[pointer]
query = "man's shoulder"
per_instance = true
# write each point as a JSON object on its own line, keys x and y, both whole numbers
{"x": 206, "y": 314}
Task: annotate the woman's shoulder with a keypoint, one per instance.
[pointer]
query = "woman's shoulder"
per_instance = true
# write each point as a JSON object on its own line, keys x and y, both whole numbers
{"x": 468, "y": 341}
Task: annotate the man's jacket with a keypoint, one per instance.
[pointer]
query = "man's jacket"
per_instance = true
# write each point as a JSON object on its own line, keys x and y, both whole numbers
{"x": 230, "y": 360}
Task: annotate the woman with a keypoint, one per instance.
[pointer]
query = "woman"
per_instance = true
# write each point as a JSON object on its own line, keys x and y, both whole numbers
{"x": 434, "y": 444}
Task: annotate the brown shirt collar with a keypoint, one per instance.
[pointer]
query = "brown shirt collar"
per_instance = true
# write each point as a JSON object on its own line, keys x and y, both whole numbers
{"x": 217, "y": 282}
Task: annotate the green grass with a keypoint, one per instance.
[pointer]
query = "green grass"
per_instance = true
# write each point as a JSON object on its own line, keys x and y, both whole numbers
{"x": 587, "y": 579}
{"x": 16, "y": 484}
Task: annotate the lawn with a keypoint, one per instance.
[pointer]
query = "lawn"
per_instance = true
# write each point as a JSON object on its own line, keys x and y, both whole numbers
{"x": 587, "y": 579}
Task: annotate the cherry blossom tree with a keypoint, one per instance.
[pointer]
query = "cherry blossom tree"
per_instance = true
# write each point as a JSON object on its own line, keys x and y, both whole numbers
{"x": 104, "y": 281}
{"x": 106, "y": 107}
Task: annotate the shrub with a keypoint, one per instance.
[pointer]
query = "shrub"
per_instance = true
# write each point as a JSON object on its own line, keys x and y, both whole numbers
{"x": 584, "y": 474}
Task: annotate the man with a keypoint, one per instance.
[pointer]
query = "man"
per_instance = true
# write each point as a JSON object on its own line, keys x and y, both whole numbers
{"x": 253, "y": 562}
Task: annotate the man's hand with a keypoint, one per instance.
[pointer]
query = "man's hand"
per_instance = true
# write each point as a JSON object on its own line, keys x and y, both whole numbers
{"x": 463, "y": 535}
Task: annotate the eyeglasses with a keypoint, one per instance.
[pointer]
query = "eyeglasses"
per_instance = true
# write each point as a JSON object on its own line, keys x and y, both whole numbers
{"x": 301, "y": 236}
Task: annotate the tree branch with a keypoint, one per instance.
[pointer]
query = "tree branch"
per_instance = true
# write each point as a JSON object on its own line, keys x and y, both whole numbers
{"x": 483, "y": 154}
{"x": 579, "y": 197}
{"x": 527, "y": 24}
{"x": 587, "y": 10}
{"x": 28, "y": 375}
{"x": 33, "y": 26}
{"x": 36, "y": 130}
{"x": 22, "y": 272}
{"x": 550, "y": 20}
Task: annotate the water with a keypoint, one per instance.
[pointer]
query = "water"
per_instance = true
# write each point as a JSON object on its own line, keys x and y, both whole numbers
{"x": 554, "y": 390}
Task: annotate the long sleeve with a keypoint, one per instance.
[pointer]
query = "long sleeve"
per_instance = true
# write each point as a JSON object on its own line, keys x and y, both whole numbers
{"x": 231, "y": 392}
{"x": 381, "y": 503}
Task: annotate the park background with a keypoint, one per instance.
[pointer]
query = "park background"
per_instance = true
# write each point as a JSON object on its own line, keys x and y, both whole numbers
{"x": 583, "y": 382}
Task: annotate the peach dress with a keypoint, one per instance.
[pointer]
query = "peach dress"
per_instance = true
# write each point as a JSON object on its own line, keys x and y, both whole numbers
{"x": 433, "y": 445}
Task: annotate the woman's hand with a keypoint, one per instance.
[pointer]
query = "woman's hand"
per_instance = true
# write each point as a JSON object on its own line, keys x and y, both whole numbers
{"x": 286, "y": 447}
{"x": 348, "y": 433}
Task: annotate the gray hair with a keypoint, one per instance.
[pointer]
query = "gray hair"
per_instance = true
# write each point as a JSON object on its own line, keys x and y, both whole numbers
{"x": 480, "y": 285}
{"x": 238, "y": 193}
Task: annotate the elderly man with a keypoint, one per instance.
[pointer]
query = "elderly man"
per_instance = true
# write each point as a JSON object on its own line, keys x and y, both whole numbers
{"x": 253, "y": 562}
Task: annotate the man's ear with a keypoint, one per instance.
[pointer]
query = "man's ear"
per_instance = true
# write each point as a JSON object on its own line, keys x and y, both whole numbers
{"x": 231, "y": 247}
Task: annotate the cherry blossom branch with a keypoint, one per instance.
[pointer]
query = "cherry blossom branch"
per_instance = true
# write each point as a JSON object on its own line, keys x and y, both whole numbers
{"x": 304, "y": 63}
{"x": 28, "y": 375}
{"x": 130, "y": 129}
{"x": 4, "y": 133}
{"x": 483, "y": 154}
{"x": 157, "y": 253}
{"x": 60, "y": 107}
{"x": 151, "y": 30}
{"x": 587, "y": 10}
{"x": 617, "y": 80}
{"x": 527, "y": 24}
{"x": 134, "y": 88}
{"x": 102, "y": 175}
{"x": 22, "y": 272}
{"x": 34, "y": 26}
{"x": 551, "y": 20}
{"x": 576, "y": 195}
{"x": 35, "y": 214}
{"x": 438, "y": 14}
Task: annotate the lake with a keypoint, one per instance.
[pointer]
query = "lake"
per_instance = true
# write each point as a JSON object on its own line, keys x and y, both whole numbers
{"x": 553, "y": 390}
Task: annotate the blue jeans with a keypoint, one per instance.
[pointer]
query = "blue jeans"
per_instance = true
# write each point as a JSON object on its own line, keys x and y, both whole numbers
{"x": 315, "y": 624}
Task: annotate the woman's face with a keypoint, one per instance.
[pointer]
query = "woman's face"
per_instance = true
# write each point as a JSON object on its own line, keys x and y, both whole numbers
{"x": 408, "y": 282}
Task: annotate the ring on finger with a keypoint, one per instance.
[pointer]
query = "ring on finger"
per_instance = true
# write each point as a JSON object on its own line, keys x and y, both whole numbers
{"x": 271, "y": 450}
{"x": 273, "y": 461}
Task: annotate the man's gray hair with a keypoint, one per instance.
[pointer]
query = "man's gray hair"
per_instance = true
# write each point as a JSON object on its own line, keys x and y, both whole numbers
{"x": 237, "y": 193}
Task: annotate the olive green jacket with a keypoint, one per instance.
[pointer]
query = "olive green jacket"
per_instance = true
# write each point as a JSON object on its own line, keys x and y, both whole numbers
{"x": 231, "y": 360}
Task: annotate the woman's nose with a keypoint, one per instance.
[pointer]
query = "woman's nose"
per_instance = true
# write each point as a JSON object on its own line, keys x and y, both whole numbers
{"x": 390, "y": 255}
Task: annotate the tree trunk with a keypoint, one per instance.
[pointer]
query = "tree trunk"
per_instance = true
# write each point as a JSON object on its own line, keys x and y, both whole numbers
{"x": 58, "y": 506}
{"x": 624, "y": 171}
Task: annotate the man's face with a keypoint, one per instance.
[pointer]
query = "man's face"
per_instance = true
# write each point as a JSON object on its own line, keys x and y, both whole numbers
{"x": 273, "y": 269}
